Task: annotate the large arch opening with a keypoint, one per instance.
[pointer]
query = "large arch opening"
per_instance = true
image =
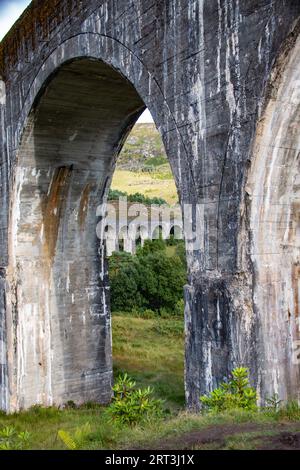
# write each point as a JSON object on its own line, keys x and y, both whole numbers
{"x": 59, "y": 322}
{"x": 147, "y": 269}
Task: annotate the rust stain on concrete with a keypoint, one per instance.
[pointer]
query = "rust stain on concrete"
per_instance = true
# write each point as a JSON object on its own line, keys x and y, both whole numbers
{"x": 53, "y": 209}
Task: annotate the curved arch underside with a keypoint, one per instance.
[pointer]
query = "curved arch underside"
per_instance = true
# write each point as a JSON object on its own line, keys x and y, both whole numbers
{"x": 65, "y": 163}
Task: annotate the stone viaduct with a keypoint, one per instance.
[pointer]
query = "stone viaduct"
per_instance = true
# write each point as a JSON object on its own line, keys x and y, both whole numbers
{"x": 222, "y": 81}
{"x": 128, "y": 225}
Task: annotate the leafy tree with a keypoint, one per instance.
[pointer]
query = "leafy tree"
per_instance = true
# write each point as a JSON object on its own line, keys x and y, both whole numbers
{"x": 151, "y": 246}
{"x": 149, "y": 280}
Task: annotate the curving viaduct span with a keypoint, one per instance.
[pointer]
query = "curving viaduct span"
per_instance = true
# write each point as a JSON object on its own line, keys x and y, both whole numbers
{"x": 221, "y": 79}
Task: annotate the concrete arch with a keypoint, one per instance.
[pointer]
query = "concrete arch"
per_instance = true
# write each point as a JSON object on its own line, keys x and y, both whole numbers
{"x": 58, "y": 177}
{"x": 176, "y": 230}
{"x": 274, "y": 197}
{"x": 64, "y": 166}
{"x": 205, "y": 93}
{"x": 100, "y": 47}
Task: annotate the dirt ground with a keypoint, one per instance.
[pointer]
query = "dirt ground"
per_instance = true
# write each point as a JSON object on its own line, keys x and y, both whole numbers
{"x": 284, "y": 436}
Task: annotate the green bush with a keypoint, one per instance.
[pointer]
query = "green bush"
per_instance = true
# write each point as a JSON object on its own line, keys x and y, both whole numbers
{"x": 151, "y": 246}
{"x": 151, "y": 280}
{"x": 172, "y": 241}
{"x": 130, "y": 405}
{"x": 179, "y": 308}
{"x": 273, "y": 403}
{"x": 156, "y": 161}
{"x": 10, "y": 439}
{"x": 234, "y": 394}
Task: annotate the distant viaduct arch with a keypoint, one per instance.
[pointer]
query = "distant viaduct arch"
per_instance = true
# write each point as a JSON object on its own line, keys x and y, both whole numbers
{"x": 221, "y": 81}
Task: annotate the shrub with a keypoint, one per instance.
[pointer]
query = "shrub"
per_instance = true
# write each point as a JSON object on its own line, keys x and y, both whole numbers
{"x": 151, "y": 246}
{"x": 147, "y": 313}
{"x": 179, "y": 308}
{"x": 273, "y": 403}
{"x": 151, "y": 280}
{"x": 10, "y": 439}
{"x": 236, "y": 393}
{"x": 131, "y": 405}
{"x": 70, "y": 405}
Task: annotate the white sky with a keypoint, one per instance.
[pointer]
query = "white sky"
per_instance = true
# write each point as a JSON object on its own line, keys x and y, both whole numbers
{"x": 145, "y": 117}
{"x": 10, "y": 10}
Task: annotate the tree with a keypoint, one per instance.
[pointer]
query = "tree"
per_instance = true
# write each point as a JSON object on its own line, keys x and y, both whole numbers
{"x": 150, "y": 280}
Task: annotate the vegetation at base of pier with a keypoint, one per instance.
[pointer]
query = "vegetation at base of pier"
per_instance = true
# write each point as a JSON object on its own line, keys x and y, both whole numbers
{"x": 236, "y": 393}
{"x": 131, "y": 405}
{"x": 11, "y": 439}
{"x": 151, "y": 185}
{"x": 151, "y": 351}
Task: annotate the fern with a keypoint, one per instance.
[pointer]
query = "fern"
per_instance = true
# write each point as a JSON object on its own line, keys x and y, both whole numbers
{"x": 74, "y": 442}
{"x": 67, "y": 439}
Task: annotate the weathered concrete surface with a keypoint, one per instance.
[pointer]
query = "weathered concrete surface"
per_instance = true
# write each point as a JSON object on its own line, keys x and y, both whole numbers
{"x": 273, "y": 191}
{"x": 204, "y": 69}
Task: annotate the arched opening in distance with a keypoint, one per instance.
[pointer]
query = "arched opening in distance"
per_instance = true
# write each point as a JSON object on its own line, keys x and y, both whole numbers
{"x": 65, "y": 163}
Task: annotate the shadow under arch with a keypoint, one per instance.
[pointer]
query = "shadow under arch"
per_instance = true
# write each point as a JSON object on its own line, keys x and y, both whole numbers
{"x": 100, "y": 47}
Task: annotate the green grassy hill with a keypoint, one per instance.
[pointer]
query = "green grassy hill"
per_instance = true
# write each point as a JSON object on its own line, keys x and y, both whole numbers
{"x": 143, "y": 166}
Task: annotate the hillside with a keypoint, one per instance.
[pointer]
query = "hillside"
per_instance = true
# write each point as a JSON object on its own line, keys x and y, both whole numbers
{"x": 143, "y": 166}
{"x": 143, "y": 149}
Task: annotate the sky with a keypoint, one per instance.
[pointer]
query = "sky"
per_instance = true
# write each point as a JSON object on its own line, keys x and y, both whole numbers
{"x": 10, "y": 10}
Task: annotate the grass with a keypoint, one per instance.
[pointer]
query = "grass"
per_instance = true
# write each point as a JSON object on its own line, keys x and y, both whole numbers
{"x": 44, "y": 425}
{"x": 143, "y": 166}
{"x": 148, "y": 184}
{"x": 151, "y": 351}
